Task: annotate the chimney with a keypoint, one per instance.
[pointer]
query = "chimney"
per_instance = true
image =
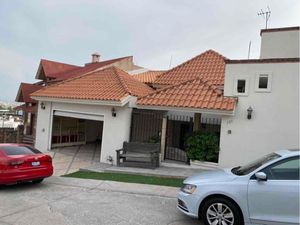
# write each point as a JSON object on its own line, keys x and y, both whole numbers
{"x": 95, "y": 57}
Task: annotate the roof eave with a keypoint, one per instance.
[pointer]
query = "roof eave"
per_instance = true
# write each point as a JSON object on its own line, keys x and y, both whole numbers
{"x": 120, "y": 103}
{"x": 186, "y": 109}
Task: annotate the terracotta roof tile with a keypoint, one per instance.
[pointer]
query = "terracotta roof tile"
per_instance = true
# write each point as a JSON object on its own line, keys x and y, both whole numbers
{"x": 87, "y": 68}
{"x": 198, "y": 94}
{"x": 51, "y": 68}
{"x": 209, "y": 65}
{"x": 25, "y": 90}
{"x": 110, "y": 84}
{"x": 148, "y": 77}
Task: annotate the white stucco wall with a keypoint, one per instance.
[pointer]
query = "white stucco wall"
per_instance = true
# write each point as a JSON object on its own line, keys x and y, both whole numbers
{"x": 116, "y": 130}
{"x": 275, "y": 119}
{"x": 280, "y": 44}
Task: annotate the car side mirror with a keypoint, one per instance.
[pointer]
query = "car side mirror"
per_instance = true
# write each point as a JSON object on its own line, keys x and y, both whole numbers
{"x": 261, "y": 176}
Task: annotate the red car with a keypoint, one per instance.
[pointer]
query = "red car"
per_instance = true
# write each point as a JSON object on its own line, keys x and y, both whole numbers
{"x": 22, "y": 163}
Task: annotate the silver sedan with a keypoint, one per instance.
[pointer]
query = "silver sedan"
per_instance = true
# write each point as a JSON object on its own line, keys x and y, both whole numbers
{"x": 265, "y": 191}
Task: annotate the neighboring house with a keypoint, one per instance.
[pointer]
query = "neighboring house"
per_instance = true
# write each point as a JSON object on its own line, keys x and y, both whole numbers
{"x": 208, "y": 93}
{"x": 51, "y": 72}
{"x": 270, "y": 87}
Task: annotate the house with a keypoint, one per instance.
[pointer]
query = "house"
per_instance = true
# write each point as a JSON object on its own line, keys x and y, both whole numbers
{"x": 94, "y": 106}
{"x": 268, "y": 88}
{"x": 252, "y": 105}
{"x": 50, "y": 72}
{"x": 113, "y": 106}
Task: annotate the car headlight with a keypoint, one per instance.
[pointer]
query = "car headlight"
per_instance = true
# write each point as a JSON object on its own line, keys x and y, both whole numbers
{"x": 188, "y": 188}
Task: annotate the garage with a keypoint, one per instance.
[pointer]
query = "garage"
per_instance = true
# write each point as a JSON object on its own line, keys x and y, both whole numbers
{"x": 75, "y": 128}
{"x": 95, "y": 108}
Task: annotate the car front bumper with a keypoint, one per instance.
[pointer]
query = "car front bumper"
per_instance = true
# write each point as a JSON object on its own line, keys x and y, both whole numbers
{"x": 188, "y": 204}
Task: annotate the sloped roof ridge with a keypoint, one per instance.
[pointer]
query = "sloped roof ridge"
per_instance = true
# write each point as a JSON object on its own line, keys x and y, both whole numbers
{"x": 205, "y": 81}
{"x": 74, "y": 78}
{"x": 120, "y": 78}
{"x": 188, "y": 61}
{"x": 68, "y": 64}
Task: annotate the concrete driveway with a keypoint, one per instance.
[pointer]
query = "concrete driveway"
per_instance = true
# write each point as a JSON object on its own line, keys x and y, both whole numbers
{"x": 70, "y": 159}
{"x": 74, "y": 201}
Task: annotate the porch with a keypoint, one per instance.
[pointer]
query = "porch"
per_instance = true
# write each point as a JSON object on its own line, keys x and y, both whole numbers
{"x": 171, "y": 129}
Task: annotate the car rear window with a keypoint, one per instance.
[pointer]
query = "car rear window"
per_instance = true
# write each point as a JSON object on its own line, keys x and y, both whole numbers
{"x": 19, "y": 150}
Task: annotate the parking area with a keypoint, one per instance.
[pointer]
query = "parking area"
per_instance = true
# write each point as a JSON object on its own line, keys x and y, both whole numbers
{"x": 63, "y": 201}
{"x": 70, "y": 159}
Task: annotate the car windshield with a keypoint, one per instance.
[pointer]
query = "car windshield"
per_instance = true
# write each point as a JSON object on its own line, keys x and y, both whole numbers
{"x": 19, "y": 150}
{"x": 248, "y": 168}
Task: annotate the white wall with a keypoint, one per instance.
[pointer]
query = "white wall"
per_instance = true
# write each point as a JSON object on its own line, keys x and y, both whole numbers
{"x": 116, "y": 130}
{"x": 280, "y": 44}
{"x": 275, "y": 119}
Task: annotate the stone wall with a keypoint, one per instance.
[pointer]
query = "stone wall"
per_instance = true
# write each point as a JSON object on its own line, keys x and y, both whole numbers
{"x": 11, "y": 135}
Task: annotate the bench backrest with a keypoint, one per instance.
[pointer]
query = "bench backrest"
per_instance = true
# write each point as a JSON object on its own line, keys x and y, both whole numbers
{"x": 140, "y": 147}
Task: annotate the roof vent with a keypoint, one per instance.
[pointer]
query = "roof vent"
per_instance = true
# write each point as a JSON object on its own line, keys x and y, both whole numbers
{"x": 95, "y": 57}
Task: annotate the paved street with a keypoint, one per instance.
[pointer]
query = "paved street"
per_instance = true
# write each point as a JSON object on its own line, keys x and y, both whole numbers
{"x": 74, "y": 201}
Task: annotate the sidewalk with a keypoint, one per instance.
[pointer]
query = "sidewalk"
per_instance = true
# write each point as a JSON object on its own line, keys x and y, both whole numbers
{"x": 163, "y": 171}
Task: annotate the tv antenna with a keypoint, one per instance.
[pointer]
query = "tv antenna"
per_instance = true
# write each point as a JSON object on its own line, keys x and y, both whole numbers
{"x": 266, "y": 15}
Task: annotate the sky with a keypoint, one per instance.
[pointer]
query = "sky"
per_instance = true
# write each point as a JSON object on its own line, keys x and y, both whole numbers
{"x": 158, "y": 33}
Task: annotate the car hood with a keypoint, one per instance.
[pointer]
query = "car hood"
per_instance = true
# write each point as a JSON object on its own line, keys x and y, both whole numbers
{"x": 215, "y": 175}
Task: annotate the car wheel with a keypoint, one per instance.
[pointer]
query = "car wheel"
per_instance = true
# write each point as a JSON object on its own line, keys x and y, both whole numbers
{"x": 37, "y": 181}
{"x": 217, "y": 211}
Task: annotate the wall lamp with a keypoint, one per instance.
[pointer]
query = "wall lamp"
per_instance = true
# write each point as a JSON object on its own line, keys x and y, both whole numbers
{"x": 43, "y": 105}
{"x": 249, "y": 113}
{"x": 113, "y": 112}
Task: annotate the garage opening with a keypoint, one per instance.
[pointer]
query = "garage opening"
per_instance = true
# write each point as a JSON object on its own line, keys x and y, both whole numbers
{"x": 70, "y": 129}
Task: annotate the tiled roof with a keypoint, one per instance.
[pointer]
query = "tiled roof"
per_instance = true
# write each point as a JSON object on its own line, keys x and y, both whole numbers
{"x": 51, "y": 68}
{"x": 24, "y": 92}
{"x": 87, "y": 68}
{"x": 111, "y": 84}
{"x": 209, "y": 65}
{"x": 195, "y": 94}
{"x": 148, "y": 77}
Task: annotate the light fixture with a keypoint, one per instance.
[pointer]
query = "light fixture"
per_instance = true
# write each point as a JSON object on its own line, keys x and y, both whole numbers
{"x": 113, "y": 112}
{"x": 249, "y": 112}
{"x": 43, "y": 105}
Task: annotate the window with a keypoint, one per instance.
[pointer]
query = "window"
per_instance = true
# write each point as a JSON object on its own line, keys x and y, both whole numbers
{"x": 241, "y": 86}
{"x": 246, "y": 169}
{"x": 263, "y": 82}
{"x": 19, "y": 150}
{"x": 286, "y": 169}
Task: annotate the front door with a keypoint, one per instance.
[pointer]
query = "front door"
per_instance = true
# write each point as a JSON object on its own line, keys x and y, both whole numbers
{"x": 276, "y": 200}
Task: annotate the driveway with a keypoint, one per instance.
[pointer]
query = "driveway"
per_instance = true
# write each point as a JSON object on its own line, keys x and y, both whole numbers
{"x": 70, "y": 159}
{"x": 74, "y": 201}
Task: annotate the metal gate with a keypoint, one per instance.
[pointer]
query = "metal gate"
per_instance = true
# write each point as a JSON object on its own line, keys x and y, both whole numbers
{"x": 146, "y": 126}
{"x": 179, "y": 127}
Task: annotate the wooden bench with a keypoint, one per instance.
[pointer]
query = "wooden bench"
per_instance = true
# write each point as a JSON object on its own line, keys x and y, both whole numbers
{"x": 136, "y": 154}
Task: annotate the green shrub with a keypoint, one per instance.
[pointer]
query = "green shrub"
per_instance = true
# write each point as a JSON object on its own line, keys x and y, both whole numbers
{"x": 203, "y": 147}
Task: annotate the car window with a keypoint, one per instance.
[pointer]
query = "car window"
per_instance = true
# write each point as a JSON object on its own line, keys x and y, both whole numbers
{"x": 286, "y": 169}
{"x": 246, "y": 169}
{"x": 19, "y": 150}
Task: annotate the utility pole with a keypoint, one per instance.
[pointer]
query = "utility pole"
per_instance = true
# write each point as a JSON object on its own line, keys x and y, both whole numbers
{"x": 266, "y": 15}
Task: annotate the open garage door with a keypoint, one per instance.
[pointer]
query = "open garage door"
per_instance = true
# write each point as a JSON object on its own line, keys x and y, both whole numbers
{"x": 79, "y": 115}
{"x": 71, "y": 128}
